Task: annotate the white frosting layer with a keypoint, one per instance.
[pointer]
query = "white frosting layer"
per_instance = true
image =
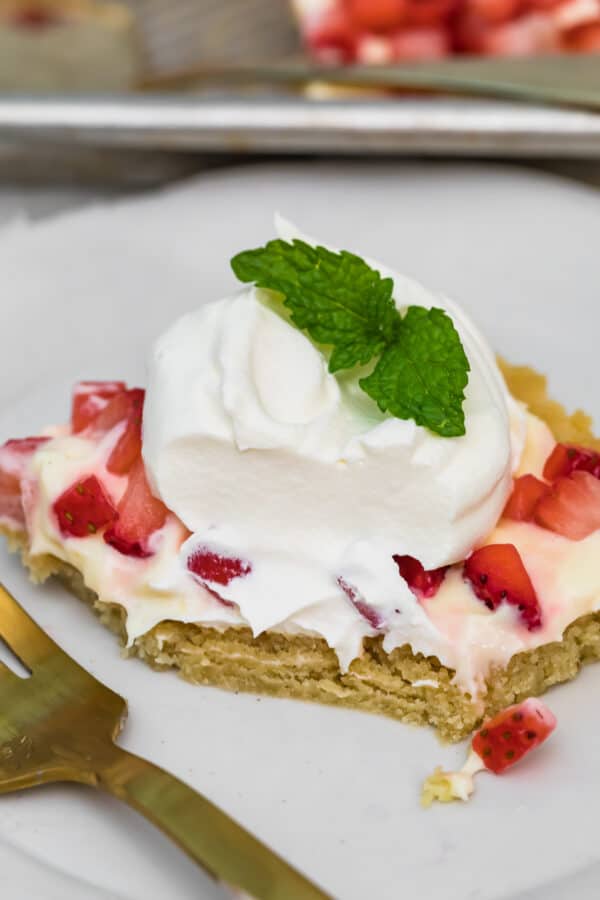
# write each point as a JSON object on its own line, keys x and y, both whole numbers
{"x": 266, "y": 456}
{"x": 454, "y": 625}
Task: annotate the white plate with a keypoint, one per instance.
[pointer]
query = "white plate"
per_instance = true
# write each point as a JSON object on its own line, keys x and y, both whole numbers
{"x": 334, "y": 791}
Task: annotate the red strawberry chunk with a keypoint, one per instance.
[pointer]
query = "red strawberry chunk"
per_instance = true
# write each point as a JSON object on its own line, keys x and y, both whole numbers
{"x": 375, "y": 15}
{"x": 470, "y": 32}
{"x": 127, "y": 407}
{"x": 420, "y": 43}
{"x": 140, "y": 515}
{"x": 21, "y": 447}
{"x": 527, "y": 492}
{"x": 521, "y": 36}
{"x": 128, "y": 448}
{"x": 334, "y": 38}
{"x": 494, "y": 11}
{"x": 422, "y": 582}
{"x": 567, "y": 458}
{"x": 84, "y": 508}
{"x": 427, "y": 13}
{"x": 497, "y": 575}
{"x": 584, "y": 38}
{"x": 572, "y": 506}
{"x": 211, "y": 567}
{"x": 506, "y": 738}
{"x": 372, "y": 615}
{"x": 89, "y": 399}
{"x": 14, "y": 455}
{"x": 120, "y": 408}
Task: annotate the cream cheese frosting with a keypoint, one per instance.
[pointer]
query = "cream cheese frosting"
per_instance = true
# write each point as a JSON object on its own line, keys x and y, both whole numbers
{"x": 454, "y": 625}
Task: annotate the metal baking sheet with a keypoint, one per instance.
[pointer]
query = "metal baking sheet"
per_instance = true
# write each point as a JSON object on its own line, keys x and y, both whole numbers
{"x": 274, "y": 124}
{"x": 143, "y": 138}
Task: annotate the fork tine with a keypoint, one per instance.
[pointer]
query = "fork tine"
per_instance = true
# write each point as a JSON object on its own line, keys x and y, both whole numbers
{"x": 23, "y": 636}
{"x": 6, "y": 672}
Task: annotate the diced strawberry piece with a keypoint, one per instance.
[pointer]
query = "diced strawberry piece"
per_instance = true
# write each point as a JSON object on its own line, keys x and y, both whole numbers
{"x": 213, "y": 568}
{"x": 120, "y": 408}
{"x": 84, "y": 508}
{"x": 128, "y": 448}
{"x": 22, "y": 446}
{"x": 368, "y": 612}
{"x": 89, "y": 399}
{"x": 117, "y": 410}
{"x": 375, "y": 15}
{"x": 497, "y": 575}
{"x": 534, "y": 33}
{"x": 334, "y": 38}
{"x": 469, "y": 33}
{"x": 125, "y": 407}
{"x": 414, "y": 44}
{"x": 527, "y": 491}
{"x": 140, "y": 514}
{"x": 583, "y": 39}
{"x": 427, "y": 13}
{"x": 529, "y": 34}
{"x": 494, "y": 11}
{"x": 14, "y": 455}
{"x": 571, "y": 507}
{"x": 506, "y": 738}
{"x": 422, "y": 582}
{"x": 543, "y": 5}
{"x": 567, "y": 458}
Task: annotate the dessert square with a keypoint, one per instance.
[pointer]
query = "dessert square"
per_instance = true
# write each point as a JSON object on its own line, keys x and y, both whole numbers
{"x": 260, "y": 522}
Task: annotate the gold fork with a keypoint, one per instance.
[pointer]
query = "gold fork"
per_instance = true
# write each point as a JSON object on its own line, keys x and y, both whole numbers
{"x": 60, "y": 724}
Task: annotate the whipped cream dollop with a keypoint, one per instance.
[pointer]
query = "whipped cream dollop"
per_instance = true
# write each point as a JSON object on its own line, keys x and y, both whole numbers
{"x": 268, "y": 458}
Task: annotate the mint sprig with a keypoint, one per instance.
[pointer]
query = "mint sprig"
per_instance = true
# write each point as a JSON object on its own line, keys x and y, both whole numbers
{"x": 336, "y": 297}
{"x": 423, "y": 373}
{"x": 344, "y": 304}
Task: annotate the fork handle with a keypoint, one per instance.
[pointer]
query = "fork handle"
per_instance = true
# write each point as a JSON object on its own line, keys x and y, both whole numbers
{"x": 222, "y": 847}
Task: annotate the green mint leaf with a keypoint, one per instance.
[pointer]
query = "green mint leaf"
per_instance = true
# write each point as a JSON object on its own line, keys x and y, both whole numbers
{"x": 336, "y": 297}
{"x": 422, "y": 370}
{"x": 423, "y": 373}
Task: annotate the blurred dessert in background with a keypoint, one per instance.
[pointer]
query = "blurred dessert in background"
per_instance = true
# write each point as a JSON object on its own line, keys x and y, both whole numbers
{"x": 54, "y": 45}
{"x": 388, "y": 31}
